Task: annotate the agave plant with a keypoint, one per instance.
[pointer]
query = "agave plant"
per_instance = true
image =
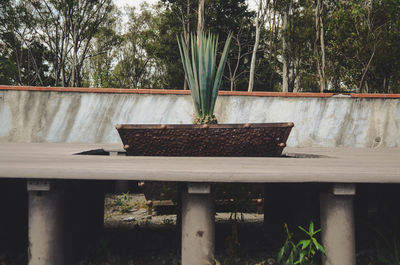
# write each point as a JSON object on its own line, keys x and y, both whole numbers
{"x": 202, "y": 74}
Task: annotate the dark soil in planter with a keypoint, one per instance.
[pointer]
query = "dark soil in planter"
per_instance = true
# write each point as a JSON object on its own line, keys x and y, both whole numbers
{"x": 252, "y": 139}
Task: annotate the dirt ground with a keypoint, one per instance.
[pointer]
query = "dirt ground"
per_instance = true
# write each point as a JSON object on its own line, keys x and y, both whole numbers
{"x": 130, "y": 210}
{"x": 133, "y": 236}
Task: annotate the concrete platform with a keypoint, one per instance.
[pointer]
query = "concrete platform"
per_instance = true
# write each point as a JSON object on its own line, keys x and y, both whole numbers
{"x": 335, "y": 165}
{"x": 47, "y": 167}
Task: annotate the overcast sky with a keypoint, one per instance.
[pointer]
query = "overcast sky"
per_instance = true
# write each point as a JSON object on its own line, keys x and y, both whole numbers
{"x": 122, "y": 3}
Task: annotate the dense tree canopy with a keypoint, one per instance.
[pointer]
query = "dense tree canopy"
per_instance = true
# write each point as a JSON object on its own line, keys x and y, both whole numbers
{"x": 293, "y": 45}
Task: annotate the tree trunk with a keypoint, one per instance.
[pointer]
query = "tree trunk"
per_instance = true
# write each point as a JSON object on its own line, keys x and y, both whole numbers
{"x": 360, "y": 87}
{"x": 253, "y": 60}
{"x": 272, "y": 46}
{"x": 200, "y": 21}
{"x": 74, "y": 56}
{"x": 322, "y": 43}
{"x": 64, "y": 50}
{"x": 319, "y": 52}
{"x": 259, "y": 23}
{"x": 285, "y": 59}
{"x": 186, "y": 30}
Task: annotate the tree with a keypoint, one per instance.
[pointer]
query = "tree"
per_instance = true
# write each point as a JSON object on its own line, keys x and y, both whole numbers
{"x": 263, "y": 8}
{"x": 221, "y": 17}
{"x": 167, "y": 26}
{"x": 319, "y": 50}
{"x": 103, "y": 54}
{"x": 185, "y": 11}
{"x": 362, "y": 44}
{"x": 67, "y": 28}
{"x": 233, "y": 16}
{"x": 238, "y": 59}
{"x": 136, "y": 67}
{"x": 200, "y": 20}
{"x": 303, "y": 75}
{"x": 23, "y": 57}
{"x": 285, "y": 12}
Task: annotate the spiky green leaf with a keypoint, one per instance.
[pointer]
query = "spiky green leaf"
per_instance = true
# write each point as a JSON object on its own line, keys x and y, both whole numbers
{"x": 202, "y": 74}
{"x": 305, "y": 231}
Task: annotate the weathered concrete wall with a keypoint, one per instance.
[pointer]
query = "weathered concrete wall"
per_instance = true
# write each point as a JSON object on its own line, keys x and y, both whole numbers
{"x": 48, "y": 116}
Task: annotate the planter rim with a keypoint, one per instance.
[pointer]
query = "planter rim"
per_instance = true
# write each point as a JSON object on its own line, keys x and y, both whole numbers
{"x": 200, "y": 126}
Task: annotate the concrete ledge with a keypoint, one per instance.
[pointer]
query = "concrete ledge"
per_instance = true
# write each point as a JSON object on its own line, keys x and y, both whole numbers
{"x": 336, "y": 165}
{"x": 187, "y": 92}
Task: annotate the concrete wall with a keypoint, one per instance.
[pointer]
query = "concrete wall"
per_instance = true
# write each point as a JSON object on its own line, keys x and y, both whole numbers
{"x": 50, "y": 116}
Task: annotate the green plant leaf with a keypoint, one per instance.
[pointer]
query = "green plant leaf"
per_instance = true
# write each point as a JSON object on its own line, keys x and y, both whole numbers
{"x": 290, "y": 260}
{"x": 190, "y": 73}
{"x": 301, "y": 258}
{"x": 220, "y": 70}
{"x": 320, "y": 247}
{"x": 304, "y": 230}
{"x": 281, "y": 253}
{"x": 304, "y": 243}
{"x": 311, "y": 228}
{"x": 315, "y": 242}
{"x": 202, "y": 74}
{"x": 195, "y": 66}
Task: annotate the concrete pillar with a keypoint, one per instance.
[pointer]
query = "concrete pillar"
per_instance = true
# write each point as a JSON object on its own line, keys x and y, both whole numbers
{"x": 45, "y": 223}
{"x": 121, "y": 186}
{"x": 337, "y": 224}
{"x": 198, "y": 231}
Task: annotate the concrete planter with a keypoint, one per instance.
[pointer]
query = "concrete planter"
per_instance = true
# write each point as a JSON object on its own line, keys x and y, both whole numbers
{"x": 252, "y": 139}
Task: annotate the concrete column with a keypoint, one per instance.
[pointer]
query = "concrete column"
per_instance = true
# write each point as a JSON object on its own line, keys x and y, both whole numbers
{"x": 337, "y": 223}
{"x": 198, "y": 231}
{"x": 121, "y": 186}
{"x": 45, "y": 218}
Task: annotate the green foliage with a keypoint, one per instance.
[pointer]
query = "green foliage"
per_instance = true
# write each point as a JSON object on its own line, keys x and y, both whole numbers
{"x": 103, "y": 52}
{"x": 203, "y": 75}
{"x": 385, "y": 232}
{"x": 48, "y": 41}
{"x": 23, "y": 56}
{"x": 122, "y": 202}
{"x": 221, "y": 17}
{"x": 136, "y": 66}
{"x": 85, "y": 43}
{"x": 167, "y": 26}
{"x": 304, "y": 251}
{"x": 360, "y": 32}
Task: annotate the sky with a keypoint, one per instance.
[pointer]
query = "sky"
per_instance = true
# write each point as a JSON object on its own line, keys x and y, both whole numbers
{"x": 122, "y": 3}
